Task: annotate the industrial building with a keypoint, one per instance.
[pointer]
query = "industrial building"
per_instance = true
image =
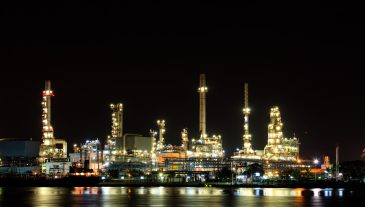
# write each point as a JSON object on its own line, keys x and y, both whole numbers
{"x": 19, "y": 147}
{"x": 278, "y": 147}
{"x": 18, "y": 155}
{"x": 136, "y": 144}
{"x": 87, "y": 158}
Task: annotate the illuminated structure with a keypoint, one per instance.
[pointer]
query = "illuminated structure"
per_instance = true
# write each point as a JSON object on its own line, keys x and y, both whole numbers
{"x": 202, "y": 154}
{"x": 185, "y": 139}
{"x": 169, "y": 153}
{"x": 277, "y": 147}
{"x": 274, "y": 148}
{"x": 291, "y": 148}
{"x": 326, "y": 163}
{"x": 246, "y": 152}
{"x": 48, "y": 147}
{"x": 117, "y": 126}
{"x": 210, "y": 147}
{"x": 91, "y": 155}
{"x": 161, "y": 132}
{"x": 165, "y": 152}
{"x": 205, "y": 147}
{"x": 154, "y": 142}
{"x": 114, "y": 140}
{"x": 87, "y": 158}
{"x": 203, "y": 89}
{"x": 247, "y": 146}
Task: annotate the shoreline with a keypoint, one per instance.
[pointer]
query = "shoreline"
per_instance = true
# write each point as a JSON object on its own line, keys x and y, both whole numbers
{"x": 79, "y": 181}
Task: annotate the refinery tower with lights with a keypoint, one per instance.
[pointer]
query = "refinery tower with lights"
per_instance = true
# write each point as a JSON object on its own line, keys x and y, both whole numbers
{"x": 205, "y": 146}
{"x": 247, "y": 151}
{"x": 50, "y": 147}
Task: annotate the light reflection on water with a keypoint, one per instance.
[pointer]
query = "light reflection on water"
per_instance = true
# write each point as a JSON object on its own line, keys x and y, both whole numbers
{"x": 176, "y": 196}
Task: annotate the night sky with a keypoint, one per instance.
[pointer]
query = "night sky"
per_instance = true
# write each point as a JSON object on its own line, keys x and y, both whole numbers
{"x": 305, "y": 58}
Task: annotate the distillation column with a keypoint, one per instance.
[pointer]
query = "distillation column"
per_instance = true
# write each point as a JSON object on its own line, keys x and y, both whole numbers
{"x": 337, "y": 162}
{"x": 247, "y": 146}
{"x": 185, "y": 139}
{"x": 117, "y": 125}
{"x": 274, "y": 147}
{"x": 47, "y": 148}
{"x": 161, "y": 132}
{"x": 153, "y": 140}
{"x": 202, "y": 110}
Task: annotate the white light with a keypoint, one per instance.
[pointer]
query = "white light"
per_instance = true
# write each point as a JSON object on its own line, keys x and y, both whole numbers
{"x": 142, "y": 177}
{"x": 257, "y": 174}
{"x": 103, "y": 177}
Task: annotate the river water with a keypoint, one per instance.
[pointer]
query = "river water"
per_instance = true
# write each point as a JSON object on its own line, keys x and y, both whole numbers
{"x": 179, "y": 196}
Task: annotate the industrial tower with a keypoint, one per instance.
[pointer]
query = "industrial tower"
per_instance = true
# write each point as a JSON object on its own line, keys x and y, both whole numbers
{"x": 203, "y": 89}
{"x": 207, "y": 147}
{"x": 247, "y": 146}
{"x": 117, "y": 125}
{"x": 161, "y": 132}
{"x": 153, "y": 134}
{"x": 337, "y": 163}
{"x": 185, "y": 139}
{"x": 47, "y": 148}
{"x": 274, "y": 147}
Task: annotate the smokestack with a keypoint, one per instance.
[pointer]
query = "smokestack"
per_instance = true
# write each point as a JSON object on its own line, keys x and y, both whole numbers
{"x": 48, "y": 94}
{"x": 247, "y": 148}
{"x": 48, "y": 141}
{"x": 202, "y": 108}
{"x": 337, "y": 161}
{"x": 246, "y": 95}
{"x": 47, "y": 85}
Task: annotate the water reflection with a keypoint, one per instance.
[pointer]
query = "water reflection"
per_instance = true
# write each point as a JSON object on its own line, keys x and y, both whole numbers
{"x": 195, "y": 191}
{"x": 48, "y": 196}
{"x": 258, "y": 192}
{"x": 175, "y": 196}
{"x": 85, "y": 190}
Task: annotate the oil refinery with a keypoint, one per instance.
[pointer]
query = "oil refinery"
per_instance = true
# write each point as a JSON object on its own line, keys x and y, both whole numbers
{"x": 197, "y": 158}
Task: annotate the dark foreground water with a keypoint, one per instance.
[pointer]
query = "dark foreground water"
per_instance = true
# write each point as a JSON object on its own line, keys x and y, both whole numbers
{"x": 179, "y": 196}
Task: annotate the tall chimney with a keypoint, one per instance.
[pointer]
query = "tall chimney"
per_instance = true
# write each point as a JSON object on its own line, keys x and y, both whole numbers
{"x": 337, "y": 161}
{"x": 202, "y": 110}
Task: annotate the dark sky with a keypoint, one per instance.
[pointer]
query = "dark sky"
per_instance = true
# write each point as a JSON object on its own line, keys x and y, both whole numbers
{"x": 305, "y": 58}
